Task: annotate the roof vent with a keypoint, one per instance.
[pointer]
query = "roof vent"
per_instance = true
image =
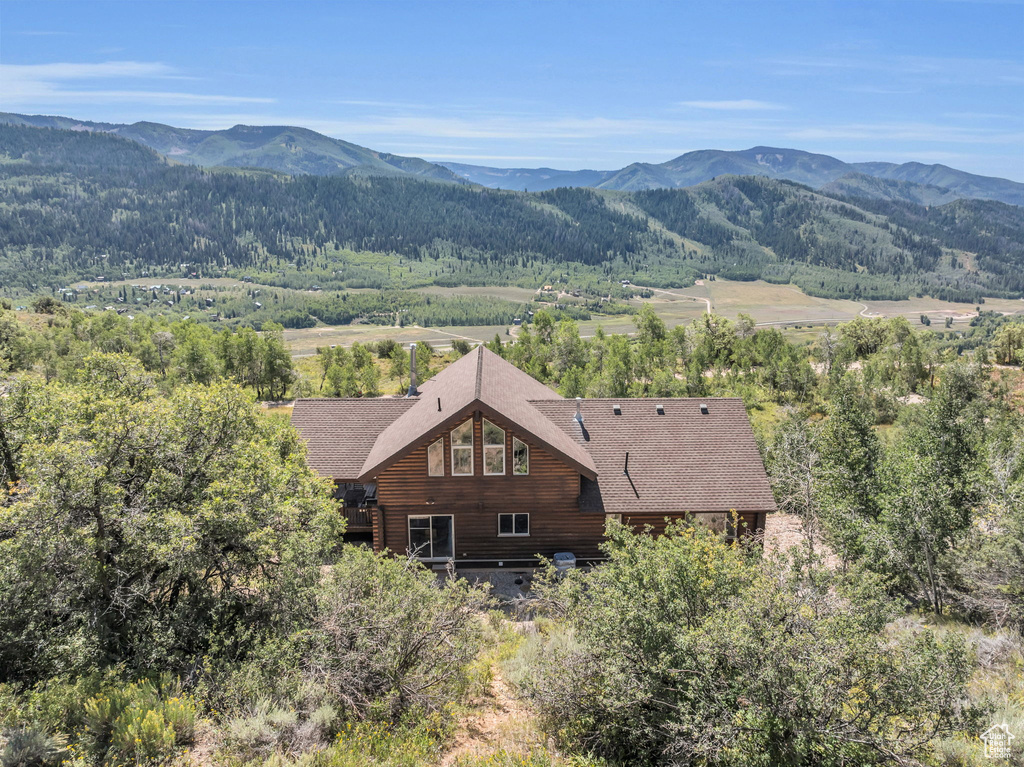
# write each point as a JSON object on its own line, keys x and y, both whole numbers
{"x": 660, "y": 408}
{"x": 703, "y": 408}
{"x": 617, "y": 409}
{"x": 578, "y": 418}
{"x": 413, "y": 391}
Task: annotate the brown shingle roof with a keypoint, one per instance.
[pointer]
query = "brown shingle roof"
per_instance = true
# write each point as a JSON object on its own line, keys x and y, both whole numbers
{"x": 339, "y": 433}
{"x": 680, "y": 461}
{"x": 479, "y": 378}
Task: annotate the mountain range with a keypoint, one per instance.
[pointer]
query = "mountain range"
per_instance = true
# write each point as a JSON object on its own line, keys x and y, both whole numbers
{"x": 911, "y": 182}
{"x": 283, "y": 149}
{"x": 94, "y": 205}
{"x": 297, "y": 151}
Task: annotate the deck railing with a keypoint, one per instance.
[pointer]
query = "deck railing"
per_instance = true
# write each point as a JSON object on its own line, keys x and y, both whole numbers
{"x": 358, "y": 518}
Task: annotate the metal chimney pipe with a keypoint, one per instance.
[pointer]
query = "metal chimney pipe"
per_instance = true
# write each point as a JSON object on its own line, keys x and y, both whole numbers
{"x": 413, "y": 391}
{"x": 579, "y": 411}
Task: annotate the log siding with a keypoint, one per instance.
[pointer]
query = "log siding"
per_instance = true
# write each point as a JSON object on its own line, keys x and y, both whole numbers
{"x": 549, "y": 493}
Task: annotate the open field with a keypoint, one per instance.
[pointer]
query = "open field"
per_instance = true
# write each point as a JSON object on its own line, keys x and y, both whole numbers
{"x": 507, "y": 292}
{"x": 771, "y": 304}
{"x": 768, "y": 303}
{"x": 784, "y": 306}
{"x": 304, "y": 342}
{"x": 943, "y": 309}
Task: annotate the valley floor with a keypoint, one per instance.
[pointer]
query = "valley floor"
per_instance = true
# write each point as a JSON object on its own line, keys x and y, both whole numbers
{"x": 784, "y": 306}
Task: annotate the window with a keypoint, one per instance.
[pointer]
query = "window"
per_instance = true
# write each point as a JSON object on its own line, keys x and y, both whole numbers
{"x": 432, "y": 537}
{"x": 494, "y": 449}
{"x": 513, "y": 524}
{"x": 520, "y": 457}
{"x": 462, "y": 449}
{"x": 435, "y": 459}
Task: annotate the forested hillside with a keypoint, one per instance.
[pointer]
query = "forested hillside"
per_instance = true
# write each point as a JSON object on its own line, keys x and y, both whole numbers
{"x": 80, "y": 205}
{"x": 281, "y": 149}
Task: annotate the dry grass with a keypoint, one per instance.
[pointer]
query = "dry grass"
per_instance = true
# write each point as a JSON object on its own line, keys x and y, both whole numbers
{"x": 998, "y": 680}
{"x": 783, "y": 305}
{"x": 505, "y": 292}
{"x": 498, "y": 729}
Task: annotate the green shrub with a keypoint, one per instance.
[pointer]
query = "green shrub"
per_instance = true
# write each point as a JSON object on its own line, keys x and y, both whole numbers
{"x": 266, "y": 728}
{"x": 411, "y": 745}
{"x": 10, "y": 701}
{"x": 145, "y": 737}
{"x": 387, "y": 640}
{"x": 144, "y": 721}
{"x": 730, "y": 660}
{"x": 225, "y": 535}
{"x": 54, "y": 705}
{"x": 29, "y": 747}
{"x": 386, "y": 347}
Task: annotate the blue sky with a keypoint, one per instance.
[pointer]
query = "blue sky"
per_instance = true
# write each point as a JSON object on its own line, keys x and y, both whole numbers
{"x": 563, "y": 84}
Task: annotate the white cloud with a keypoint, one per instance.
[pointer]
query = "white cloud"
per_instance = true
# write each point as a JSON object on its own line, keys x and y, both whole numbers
{"x": 917, "y": 132}
{"x": 29, "y": 85}
{"x": 521, "y": 128}
{"x": 382, "y": 104}
{"x": 738, "y": 105}
{"x": 491, "y": 157}
{"x": 78, "y": 71}
{"x": 935, "y": 70}
{"x": 881, "y": 90}
{"x": 442, "y": 127}
{"x": 980, "y": 116}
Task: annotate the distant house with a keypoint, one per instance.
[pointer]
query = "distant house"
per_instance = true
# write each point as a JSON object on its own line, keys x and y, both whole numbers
{"x": 484, "y": 465}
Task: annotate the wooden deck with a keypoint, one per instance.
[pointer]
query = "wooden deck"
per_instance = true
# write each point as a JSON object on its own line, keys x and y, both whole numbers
{"x": 358, "y": 519}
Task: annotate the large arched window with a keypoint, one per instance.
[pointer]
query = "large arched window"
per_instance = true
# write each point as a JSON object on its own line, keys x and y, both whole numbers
{"x": 494, "y": 449}
{"x": 462, "y": 449}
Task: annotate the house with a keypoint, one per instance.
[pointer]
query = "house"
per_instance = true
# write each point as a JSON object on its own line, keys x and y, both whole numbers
{"x": 484, "y": 465}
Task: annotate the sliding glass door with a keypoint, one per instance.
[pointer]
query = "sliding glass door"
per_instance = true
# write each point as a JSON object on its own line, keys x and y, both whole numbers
{"x": 432, "y": 537}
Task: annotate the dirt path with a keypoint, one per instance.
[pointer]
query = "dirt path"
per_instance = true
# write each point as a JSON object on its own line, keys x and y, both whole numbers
{"x": 707, "y": 301}
{"x": 445, "y": 332}
{"x": 498, "y": 721}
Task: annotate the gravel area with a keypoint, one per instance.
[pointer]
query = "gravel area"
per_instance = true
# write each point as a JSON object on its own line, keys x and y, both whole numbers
{"x": 783, "y": 531}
